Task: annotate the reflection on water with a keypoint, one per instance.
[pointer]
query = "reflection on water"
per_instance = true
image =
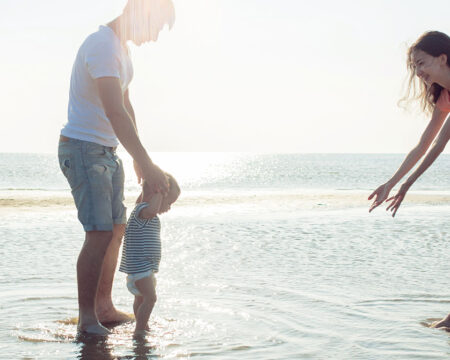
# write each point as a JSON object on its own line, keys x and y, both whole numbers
{"x": 94, "y": 347}
{"x": 105, "y": 347}
{"x": 142, "y": 349}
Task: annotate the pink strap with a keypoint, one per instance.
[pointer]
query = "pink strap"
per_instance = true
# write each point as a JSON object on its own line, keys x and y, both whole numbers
{"x": 443, "y": 102}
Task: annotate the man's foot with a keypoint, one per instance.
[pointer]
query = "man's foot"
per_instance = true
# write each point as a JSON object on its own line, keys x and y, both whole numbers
{"x": 93, "y": 329}
{"x": 443, "y": 323}
{"x": 113, "y": 317}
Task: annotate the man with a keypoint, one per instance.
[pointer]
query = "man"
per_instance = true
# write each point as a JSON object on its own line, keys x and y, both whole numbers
{"x": 100, "y": 116}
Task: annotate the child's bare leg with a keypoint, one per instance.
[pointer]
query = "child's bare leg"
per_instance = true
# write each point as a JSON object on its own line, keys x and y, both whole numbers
{"x": 137, "y": 302}
{"x": 147, "y": 288}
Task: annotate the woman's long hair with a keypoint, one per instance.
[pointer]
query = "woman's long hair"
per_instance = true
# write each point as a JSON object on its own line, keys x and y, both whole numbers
{"x": 433, "y": 43}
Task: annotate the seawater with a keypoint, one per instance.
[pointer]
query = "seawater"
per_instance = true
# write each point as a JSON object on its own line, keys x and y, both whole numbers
{"x": 225, "y": 171}
{"x": 265, "y": 256}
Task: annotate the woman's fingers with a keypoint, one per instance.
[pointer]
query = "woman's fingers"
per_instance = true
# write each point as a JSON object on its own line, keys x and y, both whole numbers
{"x": 394, "y": 206}
{"x": 374, "y": 205}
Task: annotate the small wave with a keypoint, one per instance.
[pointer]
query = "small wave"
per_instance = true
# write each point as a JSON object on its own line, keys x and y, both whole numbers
{"x": 44, "y": 340}
{"x": 68, "y": 321}
{"x": 47, "y": 335}
{"x": 38, "y": 298}
{"x": 403, "y": 300}
{"x": 33, "y": 189}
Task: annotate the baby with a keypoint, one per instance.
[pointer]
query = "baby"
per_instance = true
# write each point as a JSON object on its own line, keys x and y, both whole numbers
{"x": 141, "y": 252}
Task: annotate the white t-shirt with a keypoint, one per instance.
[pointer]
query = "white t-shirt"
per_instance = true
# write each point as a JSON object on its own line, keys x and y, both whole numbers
{"x": 101, "y": 55}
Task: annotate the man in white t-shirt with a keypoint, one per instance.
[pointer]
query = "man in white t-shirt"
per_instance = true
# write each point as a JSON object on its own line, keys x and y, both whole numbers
{"x": 100, "y": 116}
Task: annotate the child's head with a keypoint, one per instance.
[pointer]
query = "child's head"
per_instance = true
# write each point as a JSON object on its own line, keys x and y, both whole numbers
{"x": 428, "y": 58}
{"x": 167, "y": 201}
{"x": 172, "y": 196}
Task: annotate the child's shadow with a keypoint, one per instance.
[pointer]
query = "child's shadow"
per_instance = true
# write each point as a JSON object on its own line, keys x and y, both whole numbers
{"x": 142, "y": 349}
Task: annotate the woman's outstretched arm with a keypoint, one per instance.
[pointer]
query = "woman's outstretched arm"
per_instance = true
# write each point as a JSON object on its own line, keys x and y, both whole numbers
{"x": 437, "y": 148}
{"x": 435, "y": 124}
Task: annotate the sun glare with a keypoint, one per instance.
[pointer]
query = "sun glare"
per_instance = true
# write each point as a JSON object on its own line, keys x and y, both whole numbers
{"x": 187, "y": 168}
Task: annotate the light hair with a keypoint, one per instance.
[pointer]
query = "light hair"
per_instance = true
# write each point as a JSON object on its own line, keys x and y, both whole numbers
{"x": 149, "y": 16}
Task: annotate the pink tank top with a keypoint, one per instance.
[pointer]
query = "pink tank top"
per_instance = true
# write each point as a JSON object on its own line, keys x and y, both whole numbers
{"x": 443, "y": 102}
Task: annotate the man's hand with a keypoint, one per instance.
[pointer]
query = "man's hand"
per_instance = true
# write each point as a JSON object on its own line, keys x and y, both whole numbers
{"x": 156, "y": 179}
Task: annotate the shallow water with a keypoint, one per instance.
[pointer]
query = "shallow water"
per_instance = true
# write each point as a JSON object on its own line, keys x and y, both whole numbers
{"x": 264, "y": 257}
{"x": 238, "y": 283}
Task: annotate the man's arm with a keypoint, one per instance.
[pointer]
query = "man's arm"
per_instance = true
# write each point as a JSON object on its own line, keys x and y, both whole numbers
{"x": 129, "y": 107}
{"x": 130, "y": 110}
{"x": 113, "y": 101}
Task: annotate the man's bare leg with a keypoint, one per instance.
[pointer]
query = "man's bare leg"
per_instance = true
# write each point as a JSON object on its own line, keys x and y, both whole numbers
{"x": 106, "y": 311}
{"x": 89, "y": 267}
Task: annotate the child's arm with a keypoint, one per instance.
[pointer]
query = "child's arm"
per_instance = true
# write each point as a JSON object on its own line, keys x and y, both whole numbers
{"x": 152, "y": 209}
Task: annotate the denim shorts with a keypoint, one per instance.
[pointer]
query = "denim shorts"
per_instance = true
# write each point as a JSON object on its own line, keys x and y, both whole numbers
{"x": 96, "y": 178}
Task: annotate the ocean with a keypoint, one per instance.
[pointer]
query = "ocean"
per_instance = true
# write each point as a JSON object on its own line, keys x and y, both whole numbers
{"x": 265, "y": 256}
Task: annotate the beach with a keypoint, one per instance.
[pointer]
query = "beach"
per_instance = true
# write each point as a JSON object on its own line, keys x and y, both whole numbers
{"x": 285, "y": 264}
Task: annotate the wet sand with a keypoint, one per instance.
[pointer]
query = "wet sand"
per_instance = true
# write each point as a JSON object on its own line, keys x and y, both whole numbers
{"x": 33, "y": 199}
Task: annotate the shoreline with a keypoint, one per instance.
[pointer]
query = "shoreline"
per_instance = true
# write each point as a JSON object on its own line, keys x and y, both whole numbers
{"x": 33, "y": 199}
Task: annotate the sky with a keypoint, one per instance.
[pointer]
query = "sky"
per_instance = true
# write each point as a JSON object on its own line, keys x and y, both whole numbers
{"x": 232, "y": 75}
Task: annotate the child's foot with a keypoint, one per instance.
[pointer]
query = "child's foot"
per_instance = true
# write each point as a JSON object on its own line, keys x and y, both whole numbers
{"x": 141, "y": 333}
{"x": 443, "y": 323}
{"x": 93, "y": 329}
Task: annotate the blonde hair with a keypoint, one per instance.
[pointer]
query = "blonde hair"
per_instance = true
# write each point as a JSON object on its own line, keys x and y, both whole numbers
{"x": 149, "y": 16}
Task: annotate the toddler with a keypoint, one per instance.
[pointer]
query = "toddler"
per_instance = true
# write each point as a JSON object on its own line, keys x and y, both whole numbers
{"x": 141, "y": 252}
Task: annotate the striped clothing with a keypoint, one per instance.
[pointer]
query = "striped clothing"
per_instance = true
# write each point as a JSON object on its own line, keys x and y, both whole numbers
{"x": 142, "y": 245}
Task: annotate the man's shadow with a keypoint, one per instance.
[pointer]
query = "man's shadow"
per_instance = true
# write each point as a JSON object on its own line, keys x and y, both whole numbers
{"x": 93, "y": 347}
{"x": 98, "y": 348}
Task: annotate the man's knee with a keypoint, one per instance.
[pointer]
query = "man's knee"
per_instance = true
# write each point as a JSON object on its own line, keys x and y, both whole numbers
{"x": 98, "y": 241}
{"x": 103, "y": 236}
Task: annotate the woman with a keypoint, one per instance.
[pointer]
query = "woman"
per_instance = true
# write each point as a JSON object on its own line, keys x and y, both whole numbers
{"x": 429, "y": 59}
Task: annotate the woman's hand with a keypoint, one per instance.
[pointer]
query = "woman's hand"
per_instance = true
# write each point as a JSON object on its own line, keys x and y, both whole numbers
{"x": 381, "y": 194}
{"x": 397, "y": 199}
